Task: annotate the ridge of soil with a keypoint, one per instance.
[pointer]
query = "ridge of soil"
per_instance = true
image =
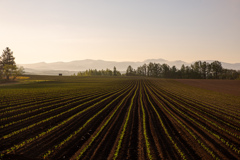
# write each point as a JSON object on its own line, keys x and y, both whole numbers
{"x": 222, "y": 86}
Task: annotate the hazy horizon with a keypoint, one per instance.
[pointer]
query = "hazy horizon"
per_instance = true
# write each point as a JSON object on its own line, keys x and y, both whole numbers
{"x": 129, "y": 61}
{"x": 64, "y": 31}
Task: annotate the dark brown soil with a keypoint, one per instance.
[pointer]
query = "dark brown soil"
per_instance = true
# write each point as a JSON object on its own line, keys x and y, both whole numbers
{"x": 175, "y": 123}
{"x": 223, "y": 86}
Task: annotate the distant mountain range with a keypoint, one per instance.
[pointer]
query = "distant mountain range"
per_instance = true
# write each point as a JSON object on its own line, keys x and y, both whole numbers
{"x": 68, "y": 68}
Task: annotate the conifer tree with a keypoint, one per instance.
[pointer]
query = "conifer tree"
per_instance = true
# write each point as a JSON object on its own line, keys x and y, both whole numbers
{"x": 7, "y": 63}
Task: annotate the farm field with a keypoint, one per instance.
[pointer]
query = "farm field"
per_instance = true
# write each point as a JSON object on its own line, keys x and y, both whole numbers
{"x": 222, "y": 86}
{"x": 47, "y": 117}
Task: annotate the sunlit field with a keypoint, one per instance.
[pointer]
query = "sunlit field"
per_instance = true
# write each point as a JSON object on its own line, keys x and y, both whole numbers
{"x": 58, "y": 117}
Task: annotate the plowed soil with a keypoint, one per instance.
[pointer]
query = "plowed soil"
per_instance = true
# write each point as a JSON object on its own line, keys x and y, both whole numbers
{"x": 126, "y": 118}
{"x": 223, "y": 86}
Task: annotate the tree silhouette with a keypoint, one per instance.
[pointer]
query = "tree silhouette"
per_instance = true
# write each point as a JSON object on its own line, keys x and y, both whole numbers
{"x": 7, "y": 63}
{"x": 197, "y": 70}
{"x": 114, "y": 71}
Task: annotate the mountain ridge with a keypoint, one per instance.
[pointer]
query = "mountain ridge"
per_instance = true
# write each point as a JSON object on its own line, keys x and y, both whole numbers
{"x": 82, "y": 65}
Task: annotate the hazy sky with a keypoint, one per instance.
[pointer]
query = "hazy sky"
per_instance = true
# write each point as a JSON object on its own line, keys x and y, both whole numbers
{"x": 123, "y": 30}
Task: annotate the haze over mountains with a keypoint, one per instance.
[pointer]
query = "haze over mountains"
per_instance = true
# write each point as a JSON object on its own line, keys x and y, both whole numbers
{"x": 68, "y": 68}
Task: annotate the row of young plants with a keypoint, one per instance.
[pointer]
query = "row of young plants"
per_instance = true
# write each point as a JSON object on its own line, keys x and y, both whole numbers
{"x": 8, "y": 100}
{"x": 58, "y": 102}
{"x": 26, "y": 99}
{"x": 177, "y": 99}
{"x": 198, "y": 140}
{"x": 76, "y": 132}
{"x": 216, "y": 134}
{"x": 60, "y": 114}
{"x": 81, "y": 152}
{"x": 40, "y": 135}
{"x": 170, "y": 138}
{"x": 224, "y": 109}
{"x": 220, "y": 110}
{"x": 208, "y": 110}
{"x": 28, "y": 102}
{"x": 218, "y": 119}
{"x": 198, "y": 122}
{"x": 56, "y": 106}
{"x": 125, "y": 125}
{"x": 147, "y": 143}
{"x": 40, "y": 92}
{"x": 123, "y": 131}
{"x": 50, "y": 100}
{"x": 203, "y": 127}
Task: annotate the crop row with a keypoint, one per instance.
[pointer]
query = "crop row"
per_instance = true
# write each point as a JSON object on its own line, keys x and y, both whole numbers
{"x": 89, "y": 101}
{"x": 53, "y": 107}
{"x": 126, "y": 118}
{"x": 80, "y": 153}
{"x": 184, "y": 113}
{"x": 199, "y": 111}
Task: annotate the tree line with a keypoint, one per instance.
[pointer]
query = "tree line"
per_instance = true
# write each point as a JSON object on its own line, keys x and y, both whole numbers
{"x": 8, "y": 67}
{"x": 197, "y": 70}
{"x": 94, "y": 72}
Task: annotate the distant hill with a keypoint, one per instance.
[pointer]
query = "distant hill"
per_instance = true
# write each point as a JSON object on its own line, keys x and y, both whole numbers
{"x": 68, "y": 68}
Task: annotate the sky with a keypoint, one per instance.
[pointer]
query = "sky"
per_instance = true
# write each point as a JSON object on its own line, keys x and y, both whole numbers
{"x": 124, "y": 30}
